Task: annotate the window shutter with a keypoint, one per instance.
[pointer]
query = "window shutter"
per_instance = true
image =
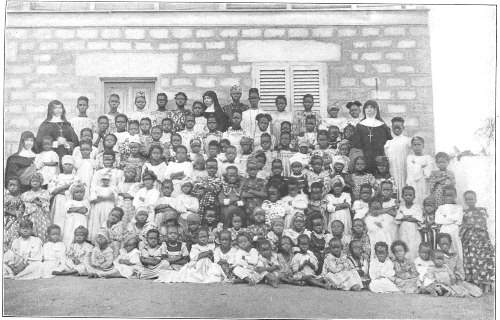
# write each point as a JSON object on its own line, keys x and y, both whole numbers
{"x": 306, "y": 79}
{"x": 271, "y": 82}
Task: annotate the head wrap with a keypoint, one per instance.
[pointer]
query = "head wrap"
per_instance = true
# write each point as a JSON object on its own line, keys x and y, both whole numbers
{"x": 134, "y": 139}
{"x": 246, "y": 140}
{"x": 300, "y": 215}
{"x": 129, "y": 167}
{"x": 335, "y": 180}
{"x": 140, "y": 94}
{"x": 333, "y": 106}
{"x": 195, "y": 141}
{"x": 186, "y": 180}
{"x": 193, "y": 217}
{"x": 259, "y": 210}
{"x": 235, "y": 89}
{"x": 105, "y": 233}
{"x": 76, "y": 186}
{"x": 67, "y": 159}
{"x": 343, "y": 142}
{"x": 142, "y": 209}
{"x": 303, "y": 143}
{"x": 132, "y": 237}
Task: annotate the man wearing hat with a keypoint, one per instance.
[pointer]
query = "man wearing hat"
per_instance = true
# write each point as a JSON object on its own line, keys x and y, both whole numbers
{"x": 235, "y": 93}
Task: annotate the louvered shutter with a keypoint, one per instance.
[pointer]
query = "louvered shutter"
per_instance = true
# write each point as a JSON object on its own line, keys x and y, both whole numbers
{"x": 271, "y": 82}
{"x": 307, "y": 79}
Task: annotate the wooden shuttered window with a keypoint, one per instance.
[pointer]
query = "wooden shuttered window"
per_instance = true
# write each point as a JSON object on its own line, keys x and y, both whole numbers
{"x": 293, "y": 81}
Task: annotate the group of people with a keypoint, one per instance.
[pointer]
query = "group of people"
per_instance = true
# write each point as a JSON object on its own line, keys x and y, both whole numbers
{"x": 237, "y": 194}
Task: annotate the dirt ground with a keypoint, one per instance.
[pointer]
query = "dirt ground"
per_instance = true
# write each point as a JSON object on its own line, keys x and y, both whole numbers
{"x": 75, "y": 296}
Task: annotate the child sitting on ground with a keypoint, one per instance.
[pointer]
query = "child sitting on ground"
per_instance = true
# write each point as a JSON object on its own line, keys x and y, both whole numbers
{"x": 359, "y": 261}
{"x": 152, "y": 256}
{"x": 406, "y": 276}
{"x": 101, "y": 259}
{"x": 337, "y": 271}
{"x": 225, "y": 254}
{"x": 382, "y": 270}
{"x": 54, "y": 253}
{"x": 79, "y": 253}
{"x": 304, "y": 265}
{"x": 128, "y": 263}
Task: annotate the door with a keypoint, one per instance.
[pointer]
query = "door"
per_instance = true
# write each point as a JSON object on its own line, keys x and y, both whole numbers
{"x": 127, "y": 91}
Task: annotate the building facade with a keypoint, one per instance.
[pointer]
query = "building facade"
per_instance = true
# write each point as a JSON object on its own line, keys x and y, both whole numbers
{"x": 338, "y": 53}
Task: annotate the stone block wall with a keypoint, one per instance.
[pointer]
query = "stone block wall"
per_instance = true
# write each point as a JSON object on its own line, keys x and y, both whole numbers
{"x": 388, "y": 63}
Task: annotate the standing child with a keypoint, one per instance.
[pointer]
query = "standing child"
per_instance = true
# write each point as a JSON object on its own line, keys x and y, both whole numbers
{"x": 406, "y": 275}
{"x": 300, "y": 117}
{"x": 360, "y": 177}
{"x": 383, "y": 175}
{"x": 319, "y": 239}
{"x": 280, "y": 116}
{"x": 198, "y": 168}
{"x": 360, "y": 207}
{"x": 78, "y": 210}
{"x": 375, "y": 224}
{"x": 246, "y": 154}
{"x": 295, "y": 199}
{"x": 248, "y": 122}
{"x": 200, "y": 122}
{"x": 382, "y": 270}
{"x": 122, "y": 146}
{"x": 317, "y": 203}
{"x": 103, "y": 128}
{"x": 285, "y": 153}
{"x": 127, "y": 191}
{"x": 23, "y": 259}
{"x": 155, "y": 163}
{"x": 318, "y": 174}
{"x": 178, "y": 170}
{"x": 109, "y": 146}
{"x": 237, "y": 222}
{"x": 101, "y": 258}
{"x": 428, "y": 227}
{"x": 207, "y": 189}
{"x": 167, "y": 127}
{"x": 479, "y": 253}
{"x": 102, "y": 199}
{"x": 359, "y": 233}
{"x": 47, "y": 161}
{"x": 263, "y": 122}
{"x": 230, "y": 197}
{"x": 230, "y": 158}
{"x": 140, "y": 111}
{"x": 441, "y": 178}
{"x": 409, "y": 216}
{"x": 54, "y": 253}
{"x": 310, "y": 134}
{"x": 148, "y": 195}
{"x": 449, "y": 217}
{"x": 338, "y": 205}
{"x": 419, "y": 168}
{"x": 338, "y": 272}
{"x": 114, "y": 103}
{"x": 359, "y": 261}
{"x": 334, "y": 120}
{"x": 354, "y": 111}
{"x": 58, "y": 186}
{"x": 82, "y": 120}
{"x": 397, "y": 151}
{"x": 13, "y": 208}
{"x": 116, "y": 229}
{"x": 213, "y": 226}
{"x": 85, "y": 165}
{"x": 304, "y": 265}
{"x": 235, "y": 93}
{"x": 153, "y": 256}
{"x": 253, "y": 189}
{"x": 276, "y": 208}
{"x": 79, "y": 252}
{"x": 303, "y": 156}
{"x": 212, "y": 133}
{"x": 36, "y": 202}
{"x": 225, "y": 254}
{"x": 235, "y": 132}
{"x": 342, "y": 156}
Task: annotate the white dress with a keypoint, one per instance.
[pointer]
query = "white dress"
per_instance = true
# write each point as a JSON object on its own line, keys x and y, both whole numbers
{"x": 190, "y": 204}
{"x": 234, "y": 137}
{"x": 24, "y": 250}
{"x": 47, "y": 172}
{"x": 134, "y": 257}
{"x": 245, "y": 263}
{"x": 343, "y": 215}
{"x": 99, "y": 211}
{"x": 408, "y": 231}
{"x": 229, "y": 256}
{"x": 74, "y": 220}
{"x": 450, "y": 216}
{"x": 54, "y": 258}
{"x": 382, "y": 275}
{"x": 360, "y": 209}
{"x": 417, "y": 176}
{"x": 390, "y": 224}
{"x": 397, "y": 151}
{"x": 58, "y": 210}
{"x": 147, "y": 198}
{"x": 248, "y": 122}
{"x": 159, "y": 171}
{"x": 376, "y": 232}
{"x": 278, "y": 118}
{"x": 197, "y": 270}
{"x": 174, "y": 167}
{"x": 79, "y": 123}
{"x": 85, "y": 171}
{"x": 298, "y": 259}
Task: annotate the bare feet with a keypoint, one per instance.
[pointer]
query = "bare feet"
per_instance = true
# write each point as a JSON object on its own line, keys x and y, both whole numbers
{"x": 356, "y": 287}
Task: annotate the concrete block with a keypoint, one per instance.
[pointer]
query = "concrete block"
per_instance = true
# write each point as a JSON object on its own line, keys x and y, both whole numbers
{"x": 395, "y": 82}
{"x": 381, "y": 43}
{"x": 227, "y": 57}
{"x": 370, "y": 82}
{"x": 121, "y": 45}
{"x": 348, "y": 82}
{"x": 382, "y": 68}
{"x": 19, "y": 69}
{"x": 187, "y": 56}
{"x": 27, "y": 46}
{"x": 111, "y": 33}
{"x": 11, "y": 51}
{"x": 181, "y": 82}
{"x": 215, "y": 45}
{"x": 20, "y": 123}
{"x": 74, "y": 45}
{"x": 13, "y": 83}
{"x": 86, "y": 33}
{"x": 396, "y": 108}
{"x": 45, "y": 46}
{"x": 241, "y": 69}
{"x": 274, "y": 33}
{"x": 371, "y": 56}
{"x": 229, "y": 33}
{"x": 42, "y": 57}
{"x": 382, "y": 95}
{"x": 405, "y": 69}
{"x": 354, "y": 56}
{"x": 192, "y": 45}
{"x": 143, "y": 46}
{"x": 395, "y": 56}
{"x": 191, "y": 68}
{"x": 21, "y": 34}
{"x": 229, "y": 82}
{"x": 49, "y": 69}
{"x": 204, "y": 33}
{"x": 158, "y": 33}
{"x": 359, "y": 44}
{"x": 14, "y": 108}
{"x": 97, "y": 45}
{"x": 46, "y": 95}
{"x": 412, "y": 122}
{"x": 41, "y": 33}
{"x": 406, "y": 95}
{"x": 346, "y": 32}
{"x": 359, "y": 68}
{"x": 287, "y": 50}
{"x": 135, "y": 33}
{"x": 21, "y": 95}
{"x": 298, "y": 32}
{"x": 165, "y": 82}
{"x": 40, "y": 85}
{"x": 182, "y": 33}
{"x": 65, "y": 33}
{"x": 405, "y": 44}
{"x": 251, "y": 33}
{"x": 370, "y": 32}
{"x": 419, "y": 31}
{"x": 168, "y": 46}
{"x": 421, "y": 82}
{"x": 325, "y": 32}
{"x": 394, "y": 31}
{"x": 215, "y": 69}
{"x": 205, "y": 82}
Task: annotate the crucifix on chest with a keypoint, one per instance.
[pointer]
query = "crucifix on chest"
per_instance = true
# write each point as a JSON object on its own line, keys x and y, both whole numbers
{"x": 370, "y": 135}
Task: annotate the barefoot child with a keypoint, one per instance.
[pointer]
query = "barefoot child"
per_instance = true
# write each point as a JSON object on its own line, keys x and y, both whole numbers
{"x": 116, "y": 229}
{"x": 449, "y": 217}
{"x": 79, "y": 252}
{"x": 128, "y": 263}
{"x": 359, "y": 261}
{"x": 101, "y": 259}
{"x": 428, "y": 228}
{"x": 246, "y": 260}
{"x": 225, "y": 254}
{"x": 304, "y": 264}
{"x": 268, "y": 264}
{"x": 382, "y": 270}
{"x": 419, "y": 168}
{"x": 406, "y": 276}
{"x": 441, "y": 177}
{"x": 337, "y": 271}
{"x": 36, "y": 207}
{"x": 77, "y": 210}
{"x": 409, "y": 216}
{"x": 177, "y": 252}
{"x": 285, "y": 256}
{"x": 153, "y": 256}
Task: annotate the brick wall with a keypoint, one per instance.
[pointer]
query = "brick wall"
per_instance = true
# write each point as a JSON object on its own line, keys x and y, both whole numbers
{"x": 49, "y": 63}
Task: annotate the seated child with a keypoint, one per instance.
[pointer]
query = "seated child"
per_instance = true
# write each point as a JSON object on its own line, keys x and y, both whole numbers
{"x": 246, "y": 260}
{"x": 23, "y": 259}
{"x": 359, "y": 261}
{"x": 140, "y": 226}
{"x": 304, "y": 265}
{"x": 128, "y": 263}
{"x": 78, "y": 253}
{"x": 213, "y": 226}
{"x": 117, "y": 230}
{"x": 285, "y": 256}
{"x": 153, "y": 256}
{"x": 268, "y": 264}
{"x": 101, "y": 258}
{"x": 259, "y": 229}
{"x": 442, "y": 277}
{"x": 193, "y": 224}
{"x": 177, "y": 253}
{"x": 273, "y": 236}
{"x": 201, "y": 268}
{"x": 298, "y": 228}
{"x": 423, "y": 263}
{"x": 406, "y": 276}
{"x": 225, "y": 254}
{"x": 319, "y": 239}
{"x": 360, "y": 207}
{"x": 54, "y": 253}
{"x": 382, "y": 270}
{"x": 237, "y": 222}
{"x": 337, "y": 271}
{"x": 359, "y": 233}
